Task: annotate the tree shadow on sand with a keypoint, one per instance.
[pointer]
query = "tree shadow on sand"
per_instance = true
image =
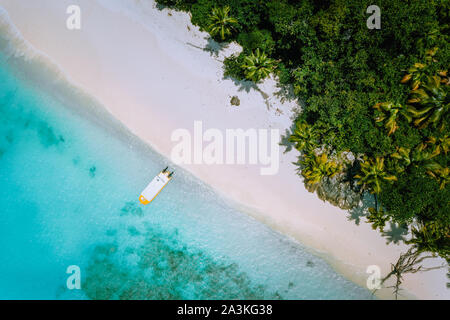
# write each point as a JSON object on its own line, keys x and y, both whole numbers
{"x": 356, "y": 214}
{"x": 243, "y": 85}
{"x": 286, "y": 93}
{"x": 212, "y": 46}
{"x": 396, "y": 233}
{"x": 361, "y": 211}
{"x": 247, "y": 85}
{"x": 285, "y": 142}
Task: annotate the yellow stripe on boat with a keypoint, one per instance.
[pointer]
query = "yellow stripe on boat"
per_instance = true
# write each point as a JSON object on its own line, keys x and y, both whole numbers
{"x": 154, "y": 187}
{"x": 143, "y": 200}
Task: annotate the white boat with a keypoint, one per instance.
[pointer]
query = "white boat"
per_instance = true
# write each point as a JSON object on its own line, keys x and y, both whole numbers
{"x": 155, "y": 186}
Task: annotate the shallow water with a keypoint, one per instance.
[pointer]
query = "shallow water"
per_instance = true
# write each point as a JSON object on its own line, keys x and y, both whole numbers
{"x": 69, "y": 186}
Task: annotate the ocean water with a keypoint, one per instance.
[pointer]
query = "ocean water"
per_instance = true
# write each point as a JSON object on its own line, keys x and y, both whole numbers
{"x": 70, "y": 177}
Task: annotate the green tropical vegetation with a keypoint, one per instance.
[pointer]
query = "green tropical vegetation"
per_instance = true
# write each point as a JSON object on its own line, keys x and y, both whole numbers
{"x": 316, "y": 167}
{"x": 257, "y": 66}
{"x": 304, "y": 137}
{"x": 372, "y": 174}
{"x": 221, "y": 23}
{"x": 375, "y": 102}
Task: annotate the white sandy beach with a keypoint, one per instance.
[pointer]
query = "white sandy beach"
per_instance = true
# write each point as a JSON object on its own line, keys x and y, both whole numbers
{"x": 147, "y": 67}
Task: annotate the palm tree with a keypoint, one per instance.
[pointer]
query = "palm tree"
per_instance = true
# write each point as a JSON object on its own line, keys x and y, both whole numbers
{"x": 402, "y": 158}
{"x": 439, "y": 145}
{"x": 304, "y": 137}
{"x": 418, "y": 73}
{"x": 427, "y": 235}
{"x": 440, "y": 173}
{"x": 430, "y": 103}
{"x": 221, "y": 24}
{"x": 372, "y": 174}
{"x": 390, "y": 111}
{"x": 258, "y": 66}
{"x": 422, "y": 151}
{"x": 431, "y": 148}
{"x": 378, "y": 218}
{"x": 315, "y": 168}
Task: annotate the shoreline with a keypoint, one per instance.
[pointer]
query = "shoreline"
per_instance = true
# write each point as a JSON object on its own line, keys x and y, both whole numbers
{"x": 280, "y": 201}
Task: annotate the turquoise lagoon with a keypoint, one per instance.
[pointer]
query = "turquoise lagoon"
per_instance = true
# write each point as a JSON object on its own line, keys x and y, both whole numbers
{"x": 70, "y": 177}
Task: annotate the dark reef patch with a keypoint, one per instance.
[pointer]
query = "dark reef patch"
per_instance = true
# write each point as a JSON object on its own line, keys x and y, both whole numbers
{"x": 166, "y": 269}
{"x": 131, "y": 208}
{"x": 76, "y": 161}
{"x": 47, "y": 136}
{"x": 132, "y": 231}
{"x": 92, "y": 171}
{"x": 9, "y": 136}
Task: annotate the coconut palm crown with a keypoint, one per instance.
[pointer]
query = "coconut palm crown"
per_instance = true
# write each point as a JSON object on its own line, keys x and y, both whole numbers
{"x": 430, "y": 103}
{"x": 317, "y": 167}
{"x": 221, "y": 23}
{"x": 373, "y": 173}
{"x": 258, "y": 66}
{"x": 304, "y": 137}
